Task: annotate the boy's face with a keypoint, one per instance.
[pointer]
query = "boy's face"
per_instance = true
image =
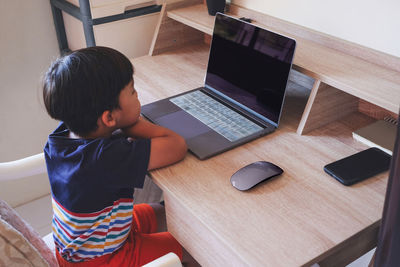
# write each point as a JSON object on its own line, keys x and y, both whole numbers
{"x": 129, "y": 104}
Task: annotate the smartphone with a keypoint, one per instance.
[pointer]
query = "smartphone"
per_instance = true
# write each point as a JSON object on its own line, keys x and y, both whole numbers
{"x": 360, "y": 166}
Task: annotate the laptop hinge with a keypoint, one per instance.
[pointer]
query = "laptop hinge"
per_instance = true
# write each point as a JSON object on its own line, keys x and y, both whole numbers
{"x": 243, "y": 110}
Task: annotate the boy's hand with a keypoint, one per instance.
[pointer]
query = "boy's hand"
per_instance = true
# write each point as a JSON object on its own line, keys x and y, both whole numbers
{"x": 167, "y": 147}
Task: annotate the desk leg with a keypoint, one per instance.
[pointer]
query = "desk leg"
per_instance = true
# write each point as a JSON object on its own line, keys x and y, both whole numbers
{"x": 60, "y": 28}
{"x": 81, "y": 13}
{"x": 325, "y": 104}
{"x": 86, "y": 18}
{"x": 371, "y": 263}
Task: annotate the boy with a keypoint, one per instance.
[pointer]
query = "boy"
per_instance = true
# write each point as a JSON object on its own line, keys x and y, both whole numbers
{"x": 93, "y": 170}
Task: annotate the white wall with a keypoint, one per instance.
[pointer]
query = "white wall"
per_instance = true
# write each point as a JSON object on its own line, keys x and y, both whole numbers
{"x": 28, "y": 44}
{"x": 371, "y": 23}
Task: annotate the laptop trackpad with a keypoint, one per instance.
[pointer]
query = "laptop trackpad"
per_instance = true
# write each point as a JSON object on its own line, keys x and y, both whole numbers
{"x": 182, "y": 123}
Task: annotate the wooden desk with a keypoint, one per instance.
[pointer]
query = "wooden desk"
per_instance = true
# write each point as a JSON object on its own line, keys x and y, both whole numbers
{"x": 299, "y": 218}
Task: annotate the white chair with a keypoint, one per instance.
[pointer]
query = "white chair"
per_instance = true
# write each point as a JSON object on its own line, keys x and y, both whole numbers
{"x": 20, "y": 244}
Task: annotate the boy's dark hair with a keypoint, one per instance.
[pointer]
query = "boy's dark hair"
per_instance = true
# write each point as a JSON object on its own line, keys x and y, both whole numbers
{"x": 80, "y": 86}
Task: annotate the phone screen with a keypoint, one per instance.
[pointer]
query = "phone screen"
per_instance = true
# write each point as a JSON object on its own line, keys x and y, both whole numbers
{"x": 360, "y": 166}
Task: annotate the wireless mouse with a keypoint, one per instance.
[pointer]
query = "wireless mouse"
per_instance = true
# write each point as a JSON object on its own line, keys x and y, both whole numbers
{"x": 253, "y": 174}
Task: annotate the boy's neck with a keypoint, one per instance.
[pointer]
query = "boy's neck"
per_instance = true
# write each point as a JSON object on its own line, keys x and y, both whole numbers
{"x": 100, "y": 132}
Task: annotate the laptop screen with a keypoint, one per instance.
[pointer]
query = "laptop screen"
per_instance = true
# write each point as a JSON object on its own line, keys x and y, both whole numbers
{"x": 250, "y": 65}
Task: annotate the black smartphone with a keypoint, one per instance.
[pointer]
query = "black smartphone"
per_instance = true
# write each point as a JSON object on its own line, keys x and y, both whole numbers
{"x": 360, "y": 166}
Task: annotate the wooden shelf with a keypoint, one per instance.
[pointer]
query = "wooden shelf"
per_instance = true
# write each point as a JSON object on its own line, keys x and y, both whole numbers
{"x": 342, "y": 70}
{"x": 194, "y": 16}
{"x": 374, "y": 83}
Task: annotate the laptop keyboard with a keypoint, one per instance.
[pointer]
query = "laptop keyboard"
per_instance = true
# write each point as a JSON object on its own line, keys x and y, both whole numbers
{"x": 215, "y": 115}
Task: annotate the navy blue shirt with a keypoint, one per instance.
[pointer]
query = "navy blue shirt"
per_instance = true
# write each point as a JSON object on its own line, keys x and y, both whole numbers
{"x": 87, "y": 175}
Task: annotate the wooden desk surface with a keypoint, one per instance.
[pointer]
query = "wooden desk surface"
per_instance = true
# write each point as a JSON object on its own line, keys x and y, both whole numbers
{"x": 296, "y": 219}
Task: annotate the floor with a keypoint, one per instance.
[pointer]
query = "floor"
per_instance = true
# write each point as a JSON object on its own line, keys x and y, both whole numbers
{"x": 362, "y": 261}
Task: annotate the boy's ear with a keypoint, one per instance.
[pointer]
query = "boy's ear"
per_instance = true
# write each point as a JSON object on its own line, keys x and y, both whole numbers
{"x": 108, "y": 119}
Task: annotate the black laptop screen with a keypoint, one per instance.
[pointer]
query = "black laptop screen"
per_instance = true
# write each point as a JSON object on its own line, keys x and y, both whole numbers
{"x": 250, "y": 65}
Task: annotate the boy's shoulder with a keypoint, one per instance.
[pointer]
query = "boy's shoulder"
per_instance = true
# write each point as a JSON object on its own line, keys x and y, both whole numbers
{"x": 116, "y": 147}
{"x": 61, "y": 136}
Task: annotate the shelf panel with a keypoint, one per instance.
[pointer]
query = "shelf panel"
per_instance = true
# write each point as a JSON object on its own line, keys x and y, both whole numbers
{"x": 194, "y": 16}
{"x": 365, "y": 79}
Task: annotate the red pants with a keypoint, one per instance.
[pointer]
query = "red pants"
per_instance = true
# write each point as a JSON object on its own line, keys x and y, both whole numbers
{"x": 142, "y": 245}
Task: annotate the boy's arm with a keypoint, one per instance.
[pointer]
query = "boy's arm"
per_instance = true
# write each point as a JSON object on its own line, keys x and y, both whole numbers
{"x": 167, "y": 147}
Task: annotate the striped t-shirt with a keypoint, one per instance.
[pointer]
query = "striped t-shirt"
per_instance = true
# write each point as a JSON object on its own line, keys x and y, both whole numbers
{"x": 92, "y": 183}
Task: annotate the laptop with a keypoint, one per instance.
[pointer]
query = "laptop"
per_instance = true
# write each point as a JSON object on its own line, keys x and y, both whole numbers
{"x": 243, "y": 94}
